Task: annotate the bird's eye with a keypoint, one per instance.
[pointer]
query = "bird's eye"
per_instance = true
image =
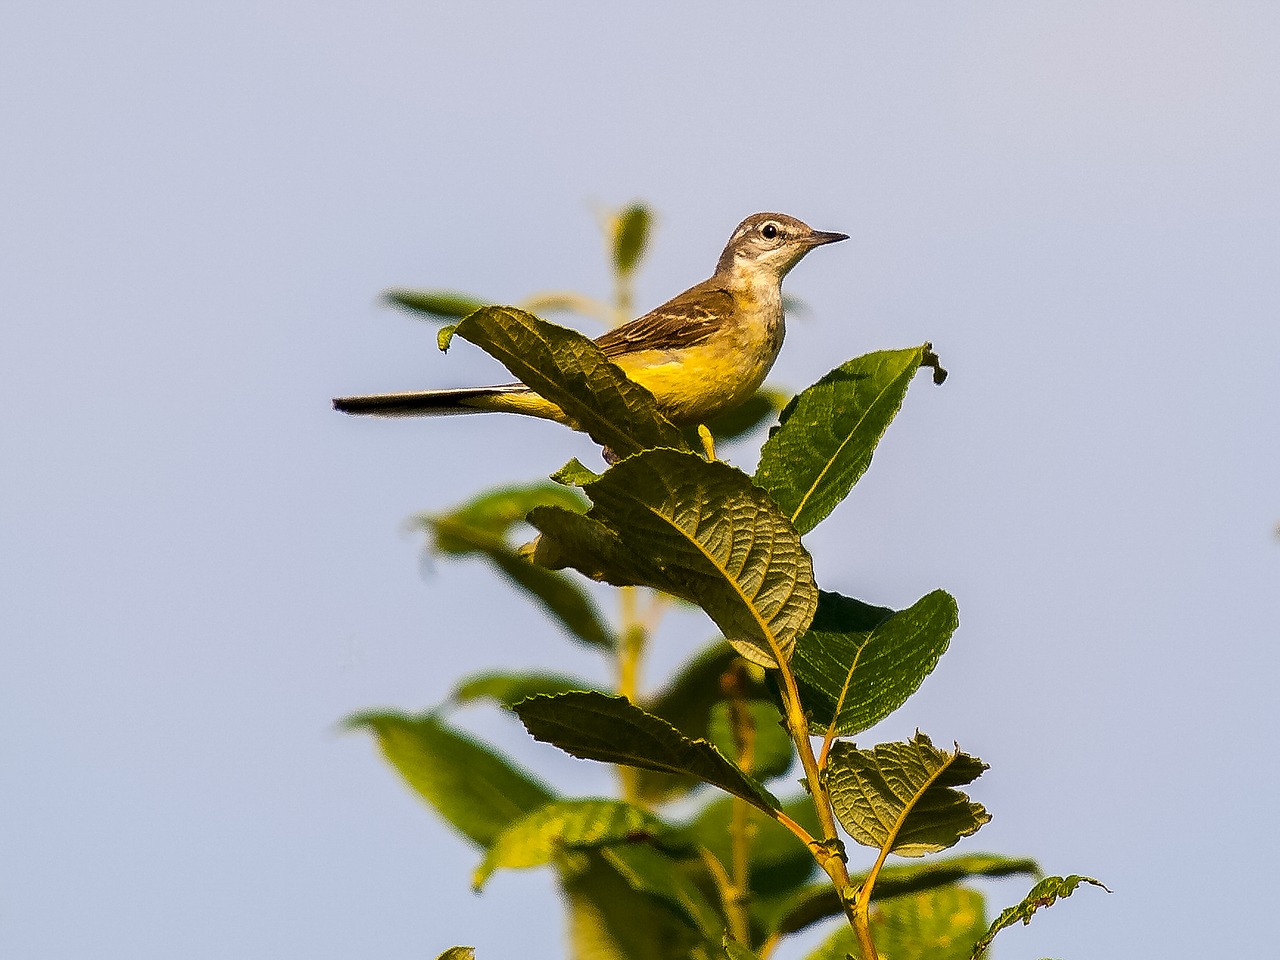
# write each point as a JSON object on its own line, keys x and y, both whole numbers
{"x": 769, "y": 231}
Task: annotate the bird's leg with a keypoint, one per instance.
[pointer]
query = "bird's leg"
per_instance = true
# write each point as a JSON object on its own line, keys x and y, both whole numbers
{"x": 708, "y": 442}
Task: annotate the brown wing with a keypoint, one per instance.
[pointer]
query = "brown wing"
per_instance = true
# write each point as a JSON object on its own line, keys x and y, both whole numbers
{"x": 689, "y": 319}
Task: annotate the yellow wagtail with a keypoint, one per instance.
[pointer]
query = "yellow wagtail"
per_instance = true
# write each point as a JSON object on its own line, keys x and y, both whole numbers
{"x": 699, "y": 354}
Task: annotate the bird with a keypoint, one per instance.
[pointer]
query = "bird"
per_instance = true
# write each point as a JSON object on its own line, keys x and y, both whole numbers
{"x": 700, "y": 354}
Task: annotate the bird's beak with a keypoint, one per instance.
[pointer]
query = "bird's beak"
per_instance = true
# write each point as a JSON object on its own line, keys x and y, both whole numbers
{"x": 818, "y": 237}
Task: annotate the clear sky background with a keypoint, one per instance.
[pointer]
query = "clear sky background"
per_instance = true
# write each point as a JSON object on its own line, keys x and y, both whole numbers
{"x": 205, "y": 568}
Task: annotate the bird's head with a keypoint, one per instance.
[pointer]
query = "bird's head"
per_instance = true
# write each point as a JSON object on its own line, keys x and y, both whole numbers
{"x": 771, "y": 242}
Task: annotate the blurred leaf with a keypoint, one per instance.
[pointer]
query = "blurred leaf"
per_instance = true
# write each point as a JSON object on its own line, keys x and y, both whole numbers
{"x": 841, "y": 945}
{"x": 507, "y": 688}
{"x": 566, "y": 368}
{"x": 1043, "y": 894}
{"x": 901, "y": 796}
{"x": 630, "y": 237}
{"x": 857, "y": 663}
{"x": 436, "y": 304}
{"x": 477, "y": 791}
{"x": 685, "y": 702}
{"x": 496, "y": 511}
{"x": 736, "y": 951}
{"x": 650, "y": 872}
{"x": 614, "y": 730}
{"x": 828, "y": 433}
{"x": 759, "y": 409}
{"x": 940, "y": 924}
{"x": 537, "y": 837}
{"x": 774, "y": 750}
{"x": 610, "y": 920}
{"x": 556, "y": 593}
{"x": 779, "y": 861}
{"x": 458, "y": 953}
{"x": 698, "y": 530}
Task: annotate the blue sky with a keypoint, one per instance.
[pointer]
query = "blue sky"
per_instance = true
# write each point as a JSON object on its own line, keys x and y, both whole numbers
{"x": 206, "y": 568}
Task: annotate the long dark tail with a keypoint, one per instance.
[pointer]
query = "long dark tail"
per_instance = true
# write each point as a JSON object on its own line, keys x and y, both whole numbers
{"x": 427, "y": 403}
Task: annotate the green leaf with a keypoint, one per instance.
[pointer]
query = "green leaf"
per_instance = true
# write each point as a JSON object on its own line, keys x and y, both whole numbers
{"x": 760, "y": 408}
{"x": 841, "y": 945}
{"x": 800, "y": 908}
{"x": 507, "y": 688}
{"x": 574, "y": 474}
{"x": 774, "y": 751}
{"x": 650, "y": 872}
{"x": 939, "y": 924}
{"x": 566, "y": 368}
{"x": 900, "y": 797}
{"x": 698, "y": 530}
{"x": 630, "y": 237}
{"x": 858, "y": 663}
{"x": 610, "y": 920}
{"x": 736, "y": 951}
{"x": 436, "y": 304}
{"x": 496, "y": 511}
{"x": 828, "y": 433}
{"x": 1043, "y": 894}
{"x": 537, "y": 837}
{"x": 614, "y": 730}
{"x": 779, "y": 861}
{"x": 685, "y": 702}
{"x": 557, "y": 594}
{"x": 458, "y": 953}
{"x": 476, "y": 790}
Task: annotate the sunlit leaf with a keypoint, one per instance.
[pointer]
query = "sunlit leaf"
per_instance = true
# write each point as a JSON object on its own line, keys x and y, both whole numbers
{"x": 614, "y": 730}
{"x": 857, "y": 663}
{"x": 698, "y": 530}
{"x": 458, "y": 953}
{"x": 1043, "y": 894}
{"x": 939, "y": 924}
{"x": 902, "y": 797}
{"x": 477, "y": 791}
{"x": 828, "y": 433}
{"x": 538, "y": 836}
{"x": 568, "y": 369}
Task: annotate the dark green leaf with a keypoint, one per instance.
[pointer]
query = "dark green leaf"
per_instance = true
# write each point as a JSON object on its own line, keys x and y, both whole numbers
{"x": 610, "y": 920}
{"x": 569, "y": 370}
{"x": 858, "y": 663}
{"x": 477, "y": 791}
{"x": 650, "y": 872}
{"x": 901, "y": 796}
{"x": 698, "y": 530}
{"x": 614, "y": 730}
{"x": 537, "y": 837}
{"x": 436, "y": 304}
{"x": 774, "y": 751}
{"x": 799, "y": 908}
{"x": 779, "y": 861}
{"x": 1043, "y": 894}
{"x": 939, "y": 924}
{"x": 828, "y": 433}
{"x": 686, "y": 704}
{"x": 630, "y": 237}
{"x": 507, "y": 688}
